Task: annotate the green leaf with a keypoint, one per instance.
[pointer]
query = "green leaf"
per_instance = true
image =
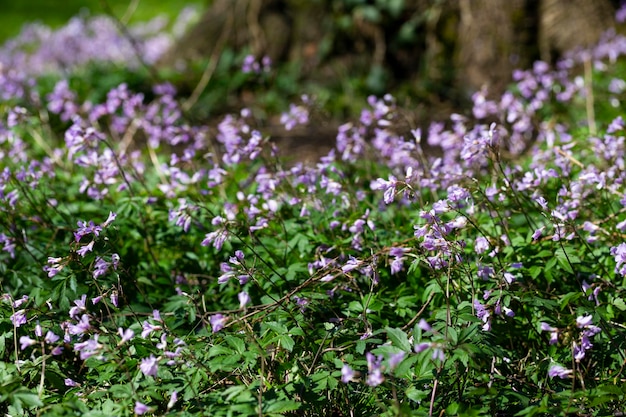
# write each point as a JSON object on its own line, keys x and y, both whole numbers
{"x": 287, "y": 342}
{"x": 282, "y": 406}
{"x": 398, "y": 338}
{"x": 619, "y": 303}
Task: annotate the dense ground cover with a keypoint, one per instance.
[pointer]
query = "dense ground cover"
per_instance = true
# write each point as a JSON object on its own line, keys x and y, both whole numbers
{"x": 151, "y": 267}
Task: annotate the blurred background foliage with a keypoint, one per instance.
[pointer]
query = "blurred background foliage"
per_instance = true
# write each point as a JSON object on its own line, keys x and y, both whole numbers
{"x": 55, "y": 13}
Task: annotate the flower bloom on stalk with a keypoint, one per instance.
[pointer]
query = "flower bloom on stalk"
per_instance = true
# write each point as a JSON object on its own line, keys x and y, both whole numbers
{"x": 149, "y": 366}
{"x": 560, "y": 371}
{"x": 18, "y": 318}
{"x": 173, "y": 399}
{"x": 148, "y": 328}
{"x": 26, "y": 341}
{"x": 70, "y": 382}
{"x": 395, "y": 359}
{"x": 244, "y": 299}
{"x": 554, "y": 332}
{"x": 589, "y": 330}
{"x": 89, "y": 348}
{"x": 388, "y": 186}
{"x": 140, "y": 408}
{"x": 126, "y": 335}
{"x": 619, "y": 252}
{"x": 217, "y": 322}
{"x": 484, "y": 314}
{"x": 54, "y": 266}
{"x": 374, "y": 367}
{"x": 347, "y": 374}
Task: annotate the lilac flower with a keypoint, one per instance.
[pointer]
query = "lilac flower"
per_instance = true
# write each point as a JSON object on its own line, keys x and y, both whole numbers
{"x": 583, "y": 321}
{"x": 537, "y": 234}
{"x": 173, "y": 399}
{"x": 81, "y": 327}
{"x": 395, "y": 359}
{"x": 140, "y": 408}
{"x": 481, "y": 245}
{"x": 100, "y": 267}
{"x": 244, "y": 299}
{"x": 148, "y": 328}
{"x": 347, "y": 374}
{"x": 82, "y": 251}
{"x": 54, "y": 266}
{"x": 389, "y": 187}
{"x": 619, "y": 252}
{"x": 420, "y": 347}
{"x": 149, "y": 366}
{"x": 70, "y": 382}
{"x": 217, "y": 238}
{"x": 109, "y": 219}
{"x": 86, "y": 229}
{"x": 351, "y": 264}
{"x": 79, "y": 307}
{"x": 560, "y": 371}
{"x": 17, "y": 303}
{"x": 126, "y": 335}
{"x": 424, "y": 326}
{"x": 483, "y": 313}
{"x": 554, "y": 332}
{"x": 51, "y": 337}
{"x": 438, "y": 353}
{"x": 26, "y": 341}
{"x": 114, "y": 298}
{"x": 89, "y": 348}
{"x": 217, "y": 322}
{"x": 297, "y": 115}
{"x": 374, "y": 364}
{"x": 18, "y": 318}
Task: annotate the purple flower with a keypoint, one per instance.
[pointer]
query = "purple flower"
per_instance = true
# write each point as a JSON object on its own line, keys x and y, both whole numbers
{"x": 100, "y": 268}
{"x": 375, "y": 378}
{"x": 149, "y": 366}
{"x": 79, "y": 306}
{"x": 18, "y": 318}
{"x": 395, "y": 359}
{"x": 51, "y": 337}
{"x": 173, "y": 399}
{"x": 81, "y": 327}
{"x": 126, "y": 335}
{"x": 70, "y": 382}
{"x": 583, "y": 321}
{"x": 26, "y": 341}
{"x": 82, "y": 251}
{"x": 424, "y": 326}
{"x": 85, "y": 229}
{"x": 148, "y": 328}
{"x": 89, "y": 348}
{"x": 244, "y": 299}
{"x": 109, "y": 219}
{"x": 347, "y": 374}
{"x": 619, "y": 252}
{"x": 374, "y": 364}
{"x": 217, "y": 322}
{"x": 560, "y": 371}
{"x": 140, "y": 408}
{"x": 481, "y": 244}
{"x": 554, "y": 332}
{"x": 389, "y": 187}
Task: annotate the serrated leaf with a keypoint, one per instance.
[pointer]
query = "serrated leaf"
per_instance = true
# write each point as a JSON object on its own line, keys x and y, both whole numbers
{"x": 619, "y": 303}
{"x": 398, "y": 338}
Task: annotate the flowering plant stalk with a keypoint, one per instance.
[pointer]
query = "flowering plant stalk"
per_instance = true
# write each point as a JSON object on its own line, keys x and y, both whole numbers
{"x": 151, "y": 266}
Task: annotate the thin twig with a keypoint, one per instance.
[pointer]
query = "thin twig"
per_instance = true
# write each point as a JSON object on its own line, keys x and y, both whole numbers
{"x": 211, "y": 66}
{"x": 591, "y": 116}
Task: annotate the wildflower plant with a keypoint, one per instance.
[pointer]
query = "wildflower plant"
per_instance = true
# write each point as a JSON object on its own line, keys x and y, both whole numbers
{"x": 151, "y": 266}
